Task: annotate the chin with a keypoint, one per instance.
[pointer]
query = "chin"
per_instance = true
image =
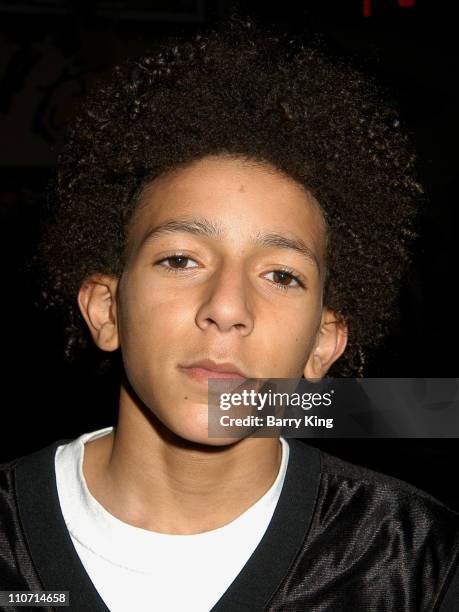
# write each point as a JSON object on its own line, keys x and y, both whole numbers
{"x": 193, "y": 427}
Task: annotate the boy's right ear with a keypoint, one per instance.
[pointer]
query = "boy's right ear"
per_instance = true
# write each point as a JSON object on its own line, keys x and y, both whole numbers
{"x": 97, "y": 302}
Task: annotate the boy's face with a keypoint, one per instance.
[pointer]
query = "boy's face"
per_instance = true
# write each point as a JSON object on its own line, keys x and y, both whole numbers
{"x": 234, "y": 276}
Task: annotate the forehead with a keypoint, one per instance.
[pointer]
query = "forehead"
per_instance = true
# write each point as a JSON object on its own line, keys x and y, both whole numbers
{"x": 239, "y": 197}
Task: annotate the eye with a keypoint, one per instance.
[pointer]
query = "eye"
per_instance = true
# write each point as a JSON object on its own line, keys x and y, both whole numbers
{"x": 285, "y": 279}
{"x": 176, "y": 263}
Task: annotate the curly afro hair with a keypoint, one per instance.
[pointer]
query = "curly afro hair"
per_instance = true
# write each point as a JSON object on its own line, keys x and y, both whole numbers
{"x": 248, "y": 92}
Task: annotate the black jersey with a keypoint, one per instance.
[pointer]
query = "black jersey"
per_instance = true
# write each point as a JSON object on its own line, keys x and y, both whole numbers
{"x": 342, "y": 539}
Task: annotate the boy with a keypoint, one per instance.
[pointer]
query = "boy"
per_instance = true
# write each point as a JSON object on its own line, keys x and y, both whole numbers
{"x": 231, "y": 207}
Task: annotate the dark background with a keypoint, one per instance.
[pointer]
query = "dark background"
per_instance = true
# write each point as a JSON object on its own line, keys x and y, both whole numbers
{"x": 50, "y": 54}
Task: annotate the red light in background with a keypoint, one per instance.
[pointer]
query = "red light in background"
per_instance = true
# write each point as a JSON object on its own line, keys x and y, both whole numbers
{"x": 401, "y": 3}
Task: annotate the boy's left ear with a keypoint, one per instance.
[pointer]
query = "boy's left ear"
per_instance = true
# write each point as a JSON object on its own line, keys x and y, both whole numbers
{"x": 330, "y": 344}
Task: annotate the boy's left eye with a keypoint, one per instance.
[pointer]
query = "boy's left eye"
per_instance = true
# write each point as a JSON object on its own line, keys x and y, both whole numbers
{"x": 282, "y": 279}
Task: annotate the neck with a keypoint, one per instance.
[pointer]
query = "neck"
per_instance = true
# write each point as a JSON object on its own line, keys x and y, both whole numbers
{"x": 147, "y": 477}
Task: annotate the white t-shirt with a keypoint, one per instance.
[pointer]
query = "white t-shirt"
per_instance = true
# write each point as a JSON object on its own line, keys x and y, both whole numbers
{"x": 137, "y": 569}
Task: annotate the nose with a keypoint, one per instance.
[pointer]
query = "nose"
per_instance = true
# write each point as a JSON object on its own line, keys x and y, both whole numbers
{"x": 225, "y": 303}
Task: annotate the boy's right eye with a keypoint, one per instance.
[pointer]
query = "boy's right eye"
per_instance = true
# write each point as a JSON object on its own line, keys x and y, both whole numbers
{"x": 178, "y": 262}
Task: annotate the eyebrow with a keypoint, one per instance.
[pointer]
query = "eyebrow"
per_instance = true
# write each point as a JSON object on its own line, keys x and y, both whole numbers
{"x": 204, "y": 227}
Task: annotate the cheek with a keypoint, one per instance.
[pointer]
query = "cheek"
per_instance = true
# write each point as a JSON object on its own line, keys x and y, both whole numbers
{"x": 286, "y": 343}
{"x": 150, "y": 322}
{"x": 150, "y": 335}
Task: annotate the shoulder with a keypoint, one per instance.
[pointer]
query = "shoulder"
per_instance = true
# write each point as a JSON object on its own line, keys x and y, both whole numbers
{"x": 8, "y": 505}
{"x": 374, "y": 538}
{"x": 372, "y": 494}
{"x": 29, "y": 467}
{"x": 7, "y": 483}
{"x": 26, "y": 472}
{"x": 339, "y": 471}
{"x": 40, "y": 459}
{"x": 8, "y": 500}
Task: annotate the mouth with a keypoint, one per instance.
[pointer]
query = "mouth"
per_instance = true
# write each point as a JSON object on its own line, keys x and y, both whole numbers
{"x": 202, "y": 371}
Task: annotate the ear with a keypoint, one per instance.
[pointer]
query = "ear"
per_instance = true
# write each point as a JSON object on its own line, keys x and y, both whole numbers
{"x": 97, "y": 302}
{"x": 330, "y": 344}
